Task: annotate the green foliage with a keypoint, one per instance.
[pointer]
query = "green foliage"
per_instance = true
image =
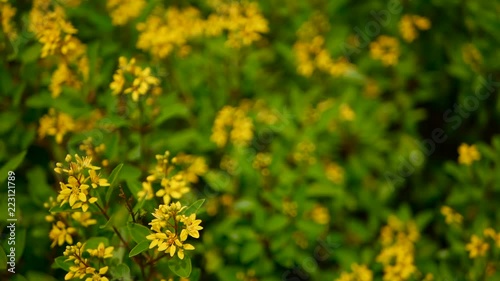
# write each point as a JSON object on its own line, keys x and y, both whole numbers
{"x": 305, "y": 135}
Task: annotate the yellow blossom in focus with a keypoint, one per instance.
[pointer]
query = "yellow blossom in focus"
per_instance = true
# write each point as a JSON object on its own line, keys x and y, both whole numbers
{"x": 123, "y": 11}
{"x": 477, "y": 247}
{"x": 192, "y": 226}
{"x": 410, "y": 24}
{"x": 97, "y": 276}
{"x": 172, "y": 239}
{"x": 468, "y": 154}
{"x": 101, "y": 251}
{"x": 385, "y": 49}
{"x": 59, "y": 234}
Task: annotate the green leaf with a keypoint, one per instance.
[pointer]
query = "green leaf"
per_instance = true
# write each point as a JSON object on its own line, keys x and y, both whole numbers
{"x": 11, "y": 165}
{"x": 139, "y": 248}
{"x": 121, "y": 272}
{"x": 180, "y": 267}
{"x": 63, "y": 209}
{"x": 60, "y": 262}
{"x": 3, "y": 259}
{"x": 94, "y": 242}
{"x": 138, "y": 232}
{"x": 113, "y": 181}
{"x": 174, "y": 110}
{"x": 250, "y": 251}
{"x": 119, "y": 218}
{"x": 277, "y": 222}
{"x": 193, "y": 208}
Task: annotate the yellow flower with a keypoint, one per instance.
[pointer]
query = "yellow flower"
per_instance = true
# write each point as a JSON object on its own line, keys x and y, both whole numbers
{"x": 385, "y": 49}
{"x": 346, "y": 112}
{"x": 477, "y": 247}
{"x": 490, "y": 232}
{"x": 123, "y": 11}
{"x": 55, "y": 124}
{"x": 173, "y": 187}
{"x": 142, "y": 82}
{"x": 101, "y": 251}
{"x": 147, "y": 192}
{"x": 320, "y": 214}
{"x": 6, "y": 14}
{"x": 334, "y": 173}
{"x": 83, "y": 218}
{"x": 97, "y": 276}
{"x": 60, "y": 234}
{"x": 409, "y": 25}
{"x": 472, "y": 56}
{"x": 79, "y": 270}
{"x": 240, "y": 127}
{"x": 96, "y": 180}
{"x": 468, "y": 154}
{"x": 192, "y": 226}
{"x": 451, "y": 216}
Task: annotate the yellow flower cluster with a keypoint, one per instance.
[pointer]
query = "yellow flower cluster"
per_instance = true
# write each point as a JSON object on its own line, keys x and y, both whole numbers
{"x": 56, "y": 124}
{"x": 82, "y": 267}
{"x": 311, "y": 53}
{"x": 410, "y": 24}
{"x": 359, "y": 273}
{"x": 7, "y": 12}
{"x": 320, "y": 214}
{"x": 171, "y": 229}
{"x": 472, "y": 56}
{"x": 174, "y": 176}
{"x": 57, "y": 35}
{"x": 93, "y": 151}
{"x": 346, "y": 112}
{"x": 61, "y": 232}
{"x": 468, "y": 154}
{"x": 451, "y": 216}
{"x": 232, "y": 123}
{"x": 397, "y": 255}
{"x": 175, "y": 26}
{"x": 477, "y": 247}
{"x": 334, "y": 173}
{"x": 304, "y": 152}
{"x": 123, "y": 11}
{"x": 142, "y": 80}
{"x": 261, "y": 163}
{"x": 385, "y": 49}
{"x": 81, "y": 175}
{"x": 241, "y": 19}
